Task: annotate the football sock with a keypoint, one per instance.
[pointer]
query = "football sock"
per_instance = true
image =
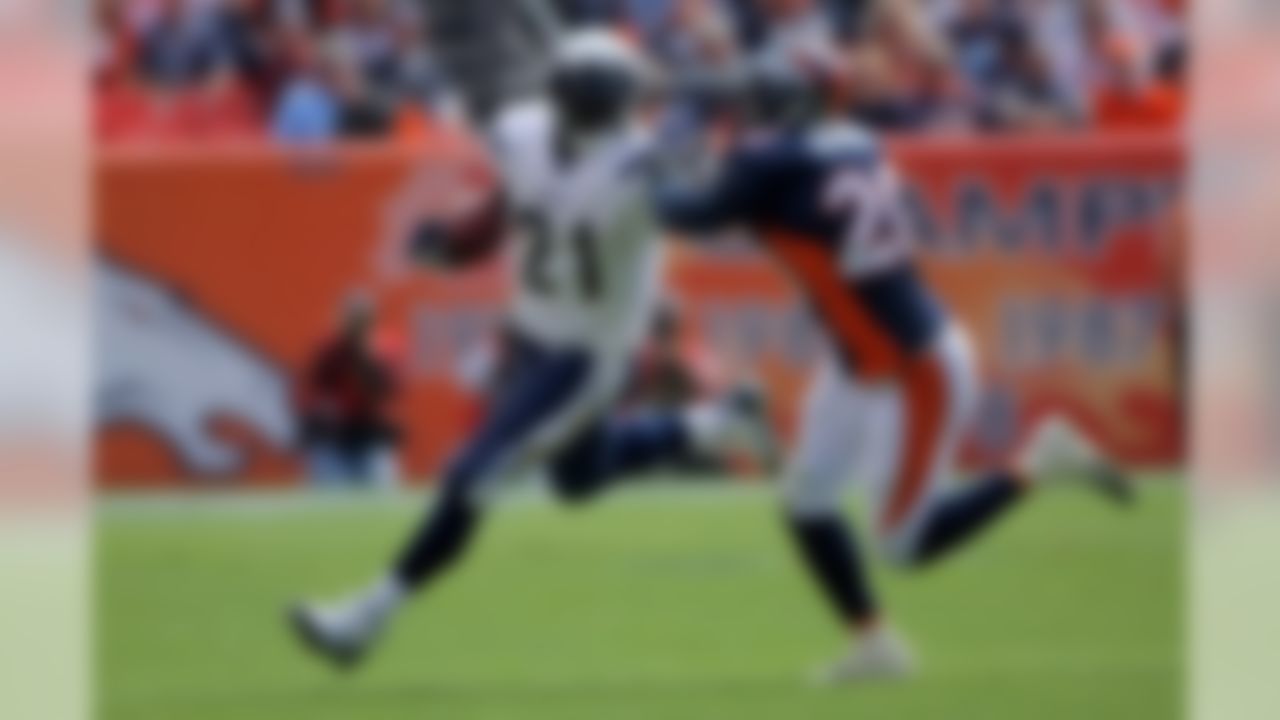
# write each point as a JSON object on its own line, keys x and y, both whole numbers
{"x": 385, "y": 596}
{"x": 831, "y": 553}
{"x": 968, "y": 511}
{"x": 438, "y": 543}
{"x": 623, "y": 446}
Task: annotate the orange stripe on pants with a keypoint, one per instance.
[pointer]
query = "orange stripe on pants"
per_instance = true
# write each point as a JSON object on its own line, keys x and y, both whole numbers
{"x": 874, "y": 353}
{"x": 924, "y": 408}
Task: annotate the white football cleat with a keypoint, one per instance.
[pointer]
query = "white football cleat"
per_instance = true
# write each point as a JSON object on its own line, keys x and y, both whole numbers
{"x": 343, "y": 632}
{"x": 1058, "y": 452}
{"x": 876, "y": 656}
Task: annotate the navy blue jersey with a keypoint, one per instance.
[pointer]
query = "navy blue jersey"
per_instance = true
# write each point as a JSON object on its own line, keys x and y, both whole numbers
{"x": 827, "y": 204}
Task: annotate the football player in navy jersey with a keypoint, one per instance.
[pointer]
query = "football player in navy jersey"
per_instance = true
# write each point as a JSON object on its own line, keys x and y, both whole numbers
{"x": 891, "y": 403}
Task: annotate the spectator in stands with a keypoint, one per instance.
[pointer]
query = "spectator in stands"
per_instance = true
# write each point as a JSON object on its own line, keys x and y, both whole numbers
{"x": 1024, "y": 94}
{"x": 1057, "y": 30}
{"x": 376, "y": 78}
{"x": 1130, "y": 96}
{"x": 587, "y": 12}
{"x": 984, "y": 35}
{"x": 243, "y": 31}
{"x": 363, "y": 112}
{"x": 364, "y": 33}
{"x": 307, "y": 109}
{"x": 194, "y": 69}
{"x": 412, "y": 82}
{"x": 221, "y": 106}
{"x": 315, "y": 70}
{"x": 695, "y": 41}
{"x": 695, "y": 35}
{"x": 795, "y": 27}
{"x": 877, "y": 96}
{"x": 648, "y": 17}
{"x": 328, "y": 97}
{"x": 176, "y": 50}
{"x": 344, "y": 403}
{"x": 900, "y": 76}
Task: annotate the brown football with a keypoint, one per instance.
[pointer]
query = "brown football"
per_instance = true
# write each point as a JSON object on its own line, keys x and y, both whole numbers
{"x": 475, "y": 234}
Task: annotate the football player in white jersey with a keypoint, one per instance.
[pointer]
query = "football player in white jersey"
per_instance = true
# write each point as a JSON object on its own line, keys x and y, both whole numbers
{"x": 586, "y": 273}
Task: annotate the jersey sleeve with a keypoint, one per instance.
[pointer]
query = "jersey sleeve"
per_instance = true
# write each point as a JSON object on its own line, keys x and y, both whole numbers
{"x": 515, "y": 140}
{"x": 501, "y": 143}
{"x": 731, "y": 197}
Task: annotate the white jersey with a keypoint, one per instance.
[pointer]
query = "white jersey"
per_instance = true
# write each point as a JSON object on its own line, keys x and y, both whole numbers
{"x": 588, "y": 264}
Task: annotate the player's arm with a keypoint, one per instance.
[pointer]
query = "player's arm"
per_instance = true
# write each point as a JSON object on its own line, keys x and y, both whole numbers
{"x": 474, "y": 232}
{"x": 709, "y": 206}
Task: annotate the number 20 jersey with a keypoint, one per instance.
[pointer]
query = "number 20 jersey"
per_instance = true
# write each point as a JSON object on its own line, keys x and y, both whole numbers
{"x": 828, "y": 205}
{"x": 588, "y": 262}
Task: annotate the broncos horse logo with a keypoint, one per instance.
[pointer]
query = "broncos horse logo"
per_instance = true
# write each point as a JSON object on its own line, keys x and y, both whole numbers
{"x": 164, "y": 365}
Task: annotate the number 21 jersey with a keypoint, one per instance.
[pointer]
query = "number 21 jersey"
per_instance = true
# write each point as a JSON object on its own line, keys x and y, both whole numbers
{"x": 588, "y": 262}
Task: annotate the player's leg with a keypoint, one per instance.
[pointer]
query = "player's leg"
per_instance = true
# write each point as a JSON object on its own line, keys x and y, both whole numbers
{"x": 833, "y": 424}
{"x": 622, "y": 448}
{"x": 921, "y": 518}
{"x": 543, "y": 387}
{"x": 918, "y": 517}
{"x": 1056, "y": 452}
{"x": 617, "y": 448}
{"x": 813, "y": 492}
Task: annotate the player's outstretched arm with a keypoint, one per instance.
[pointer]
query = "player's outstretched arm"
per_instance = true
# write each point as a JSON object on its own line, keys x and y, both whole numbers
{"x": 694, "y": 210}
{"x": 707, "y": 207}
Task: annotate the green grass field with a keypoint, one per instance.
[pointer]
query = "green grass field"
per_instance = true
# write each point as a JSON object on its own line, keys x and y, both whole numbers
{"x": 659, "y": 603}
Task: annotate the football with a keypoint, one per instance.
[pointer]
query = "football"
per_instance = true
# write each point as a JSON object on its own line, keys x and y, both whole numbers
{"x": 462, "y": 238}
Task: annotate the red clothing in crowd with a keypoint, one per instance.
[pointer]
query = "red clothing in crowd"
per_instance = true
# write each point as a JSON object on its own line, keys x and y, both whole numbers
{"x": 224, "y": 110}
{"x": 1156, "y": 107}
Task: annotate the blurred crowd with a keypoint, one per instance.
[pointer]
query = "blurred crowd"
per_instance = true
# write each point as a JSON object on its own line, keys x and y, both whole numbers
{"x": 932, "y": 65}
{"x": 296, "y": 70}
{"x": 319, "y": 70}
